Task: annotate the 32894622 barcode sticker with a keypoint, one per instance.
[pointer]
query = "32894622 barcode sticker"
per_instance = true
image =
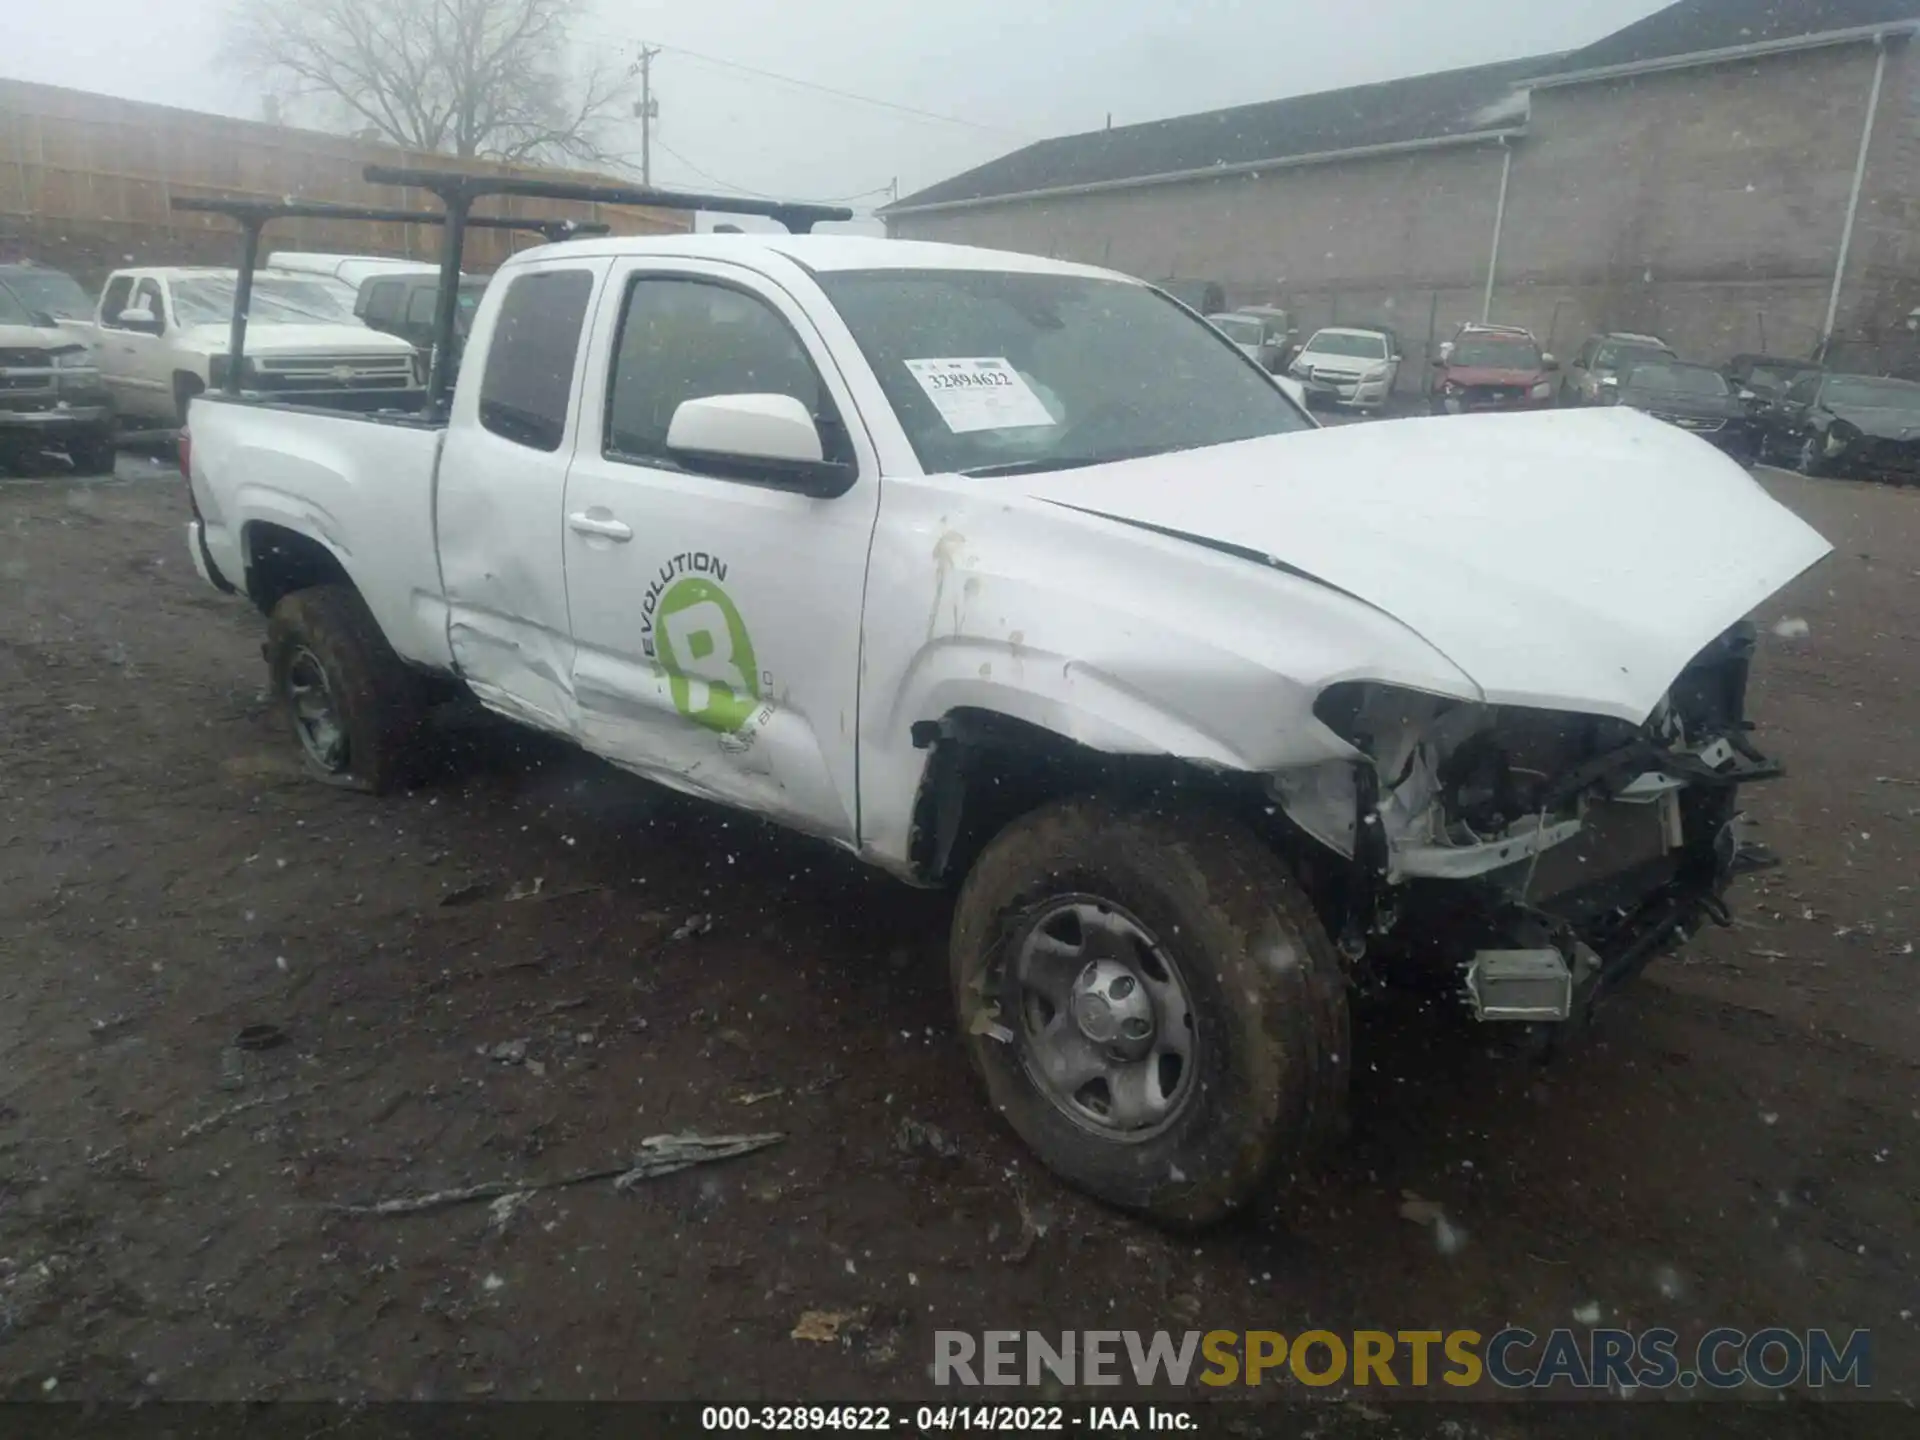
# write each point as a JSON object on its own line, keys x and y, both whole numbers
{"x": 981, "y": 393}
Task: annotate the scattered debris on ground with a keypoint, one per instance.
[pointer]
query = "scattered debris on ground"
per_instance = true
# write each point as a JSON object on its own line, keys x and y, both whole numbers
{"x": 659, "y": 1155}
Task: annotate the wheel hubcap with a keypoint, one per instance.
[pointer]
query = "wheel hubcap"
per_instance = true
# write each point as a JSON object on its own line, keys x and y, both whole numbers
{"x": 1107, "y": 1025}
{"x": 316, "y": 719}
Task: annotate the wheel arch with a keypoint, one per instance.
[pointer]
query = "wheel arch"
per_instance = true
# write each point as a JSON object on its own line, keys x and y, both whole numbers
{"x": 280, "y": 560}
{"x": 186, "y": 384}
{"x": 985, "y": 768}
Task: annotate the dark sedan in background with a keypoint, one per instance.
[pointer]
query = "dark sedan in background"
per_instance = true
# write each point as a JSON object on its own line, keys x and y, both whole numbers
{"x": 1696, "y": 398}
{"x": 1767, "y": 375}
{"x": 1846, "y": 425}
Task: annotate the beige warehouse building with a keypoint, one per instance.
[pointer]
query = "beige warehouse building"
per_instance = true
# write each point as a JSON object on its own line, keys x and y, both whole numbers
{"x": 1737, "y": 175}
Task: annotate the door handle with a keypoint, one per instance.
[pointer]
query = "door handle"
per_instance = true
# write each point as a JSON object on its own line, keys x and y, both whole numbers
{"x": 606, "y": 528}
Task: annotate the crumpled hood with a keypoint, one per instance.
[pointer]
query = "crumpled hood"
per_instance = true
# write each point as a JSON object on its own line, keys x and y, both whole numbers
{"x": 1569, "y": 560}
{"x": 1879, "y": 423}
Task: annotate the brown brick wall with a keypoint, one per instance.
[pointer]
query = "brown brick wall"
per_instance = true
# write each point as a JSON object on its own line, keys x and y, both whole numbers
{"x": 86, "y": 183}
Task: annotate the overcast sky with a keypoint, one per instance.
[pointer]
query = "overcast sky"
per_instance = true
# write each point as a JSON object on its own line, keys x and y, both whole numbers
{"x": 1014, "y": 70}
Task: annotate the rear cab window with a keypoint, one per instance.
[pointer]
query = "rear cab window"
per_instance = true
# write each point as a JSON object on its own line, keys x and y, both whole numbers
{"x": 421, "y": 303}
{"x": 533, "y": 355}
{"x": 383, "y": 301}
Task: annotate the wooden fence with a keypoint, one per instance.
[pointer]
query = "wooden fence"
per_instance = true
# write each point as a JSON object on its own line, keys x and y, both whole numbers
{"x": 86, "y": 183}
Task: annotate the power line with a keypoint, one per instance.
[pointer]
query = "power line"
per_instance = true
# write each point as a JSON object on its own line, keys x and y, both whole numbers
{"x": 817, "y": 87}
{"x": 744, "y": 192}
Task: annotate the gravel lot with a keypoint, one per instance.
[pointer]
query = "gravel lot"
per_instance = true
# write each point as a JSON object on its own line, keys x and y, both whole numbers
{"x": 1739, "y": 1143}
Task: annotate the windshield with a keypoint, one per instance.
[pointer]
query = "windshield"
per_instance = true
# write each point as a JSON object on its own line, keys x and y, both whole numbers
{"x": 992, "y": 370}
{"x": 1496, "y": 352}
{"x": 49, "y": 292}
{"x": 1678, "y": 379}
{"x": 1774, "y": 377}
{"x": 1238, "y": 328}
{"x": 1619, "y": 357}
{"x": 209, "y": 301}
{"x": 12, "y": 312}
{"x": 1361, "y": 347}
{"x": 1873, "y": 394}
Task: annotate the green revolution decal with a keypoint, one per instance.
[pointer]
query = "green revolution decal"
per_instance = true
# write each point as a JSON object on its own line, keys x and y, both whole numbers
{"x": 702, "y": 644}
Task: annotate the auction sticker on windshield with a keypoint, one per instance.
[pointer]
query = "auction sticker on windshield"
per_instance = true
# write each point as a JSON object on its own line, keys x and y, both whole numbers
{"x": 979, "y": 394}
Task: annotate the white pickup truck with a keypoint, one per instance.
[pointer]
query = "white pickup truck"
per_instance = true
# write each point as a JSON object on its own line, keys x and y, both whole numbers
{"x": 996, "y": 570}
{"x": 164, "y": 336}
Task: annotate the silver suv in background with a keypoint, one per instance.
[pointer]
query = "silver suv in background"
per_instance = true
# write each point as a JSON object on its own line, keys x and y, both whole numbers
{"x": 1596, "y": 370}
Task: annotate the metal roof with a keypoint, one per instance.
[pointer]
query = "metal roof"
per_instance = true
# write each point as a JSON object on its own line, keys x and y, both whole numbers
{"x": 1419, "y": 112}
{"x": 1423, "y": 108}
{"x": 1695, "y": 27}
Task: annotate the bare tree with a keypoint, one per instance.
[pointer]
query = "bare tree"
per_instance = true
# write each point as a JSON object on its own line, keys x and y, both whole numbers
{"x": 488, "y": 78}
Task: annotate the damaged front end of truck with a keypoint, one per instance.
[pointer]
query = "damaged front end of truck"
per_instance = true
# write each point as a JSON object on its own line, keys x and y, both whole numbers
{"x": 1541, "y": 857}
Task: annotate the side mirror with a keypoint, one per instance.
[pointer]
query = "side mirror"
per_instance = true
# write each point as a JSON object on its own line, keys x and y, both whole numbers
{"x": 1547, "y": 362}
{"x": 771, "y": 439}
{"x": 1611, "y": 382}
{"x": 139, "y": 319}
{"x": 1748, "y": 395}
{"x": 1446, "y": 352}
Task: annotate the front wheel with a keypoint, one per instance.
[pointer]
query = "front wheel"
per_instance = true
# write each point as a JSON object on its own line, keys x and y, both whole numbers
{"x": 353, "y": 705}
{"x": 1152, "y": 1004}
{"x": 1812, "y": 460}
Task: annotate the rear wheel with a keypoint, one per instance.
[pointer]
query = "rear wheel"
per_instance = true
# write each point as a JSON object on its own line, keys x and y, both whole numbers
{"x": 353, "y": 705}
{"x": 1152, "y": 1005}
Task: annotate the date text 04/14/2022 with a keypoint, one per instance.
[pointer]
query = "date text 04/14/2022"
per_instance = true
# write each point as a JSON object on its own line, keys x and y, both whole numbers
{"x": 944, "y": 1419}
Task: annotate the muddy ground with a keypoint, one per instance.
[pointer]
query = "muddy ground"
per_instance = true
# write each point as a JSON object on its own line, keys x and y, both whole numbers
{"x": 1739, "y": 1144}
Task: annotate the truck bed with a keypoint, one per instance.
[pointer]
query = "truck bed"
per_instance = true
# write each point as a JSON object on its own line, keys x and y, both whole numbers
{"x": 332, "y": 472}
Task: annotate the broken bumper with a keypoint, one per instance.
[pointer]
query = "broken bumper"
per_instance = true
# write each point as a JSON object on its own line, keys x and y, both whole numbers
{"x": 1611, "y": 858}
{"x": 1598, "y": 922}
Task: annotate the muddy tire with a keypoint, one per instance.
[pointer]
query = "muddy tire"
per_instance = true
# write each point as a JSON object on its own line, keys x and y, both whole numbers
{"x": 1812, "y": 459}
{"x": 353, "y": 706}
{"x": 1232, "y": 1078}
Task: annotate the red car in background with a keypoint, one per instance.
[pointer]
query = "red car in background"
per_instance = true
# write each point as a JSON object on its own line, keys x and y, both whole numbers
{"x": 1492, "y": 367}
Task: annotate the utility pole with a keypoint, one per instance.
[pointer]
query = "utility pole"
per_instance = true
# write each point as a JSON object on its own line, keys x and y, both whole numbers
{"x": 647, "y": 109}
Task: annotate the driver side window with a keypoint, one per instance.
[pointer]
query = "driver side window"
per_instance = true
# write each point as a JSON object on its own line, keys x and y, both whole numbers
{"x": 115, "y": 300}
{"x": 1801, "y": 392}
{"x": 685, "y": 339}
{"x": 146, "y": 296}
